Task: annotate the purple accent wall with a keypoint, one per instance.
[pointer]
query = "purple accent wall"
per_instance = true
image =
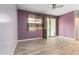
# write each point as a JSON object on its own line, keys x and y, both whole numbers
{"x": 66, "y": 25}
{"x": 22, "y": 27}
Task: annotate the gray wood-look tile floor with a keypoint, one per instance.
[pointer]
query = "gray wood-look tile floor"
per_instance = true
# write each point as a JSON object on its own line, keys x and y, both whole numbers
{"x": 51, "y": 46}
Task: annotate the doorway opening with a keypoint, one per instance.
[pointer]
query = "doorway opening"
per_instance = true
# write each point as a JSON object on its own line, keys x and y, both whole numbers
{"x": 51, "y": 27}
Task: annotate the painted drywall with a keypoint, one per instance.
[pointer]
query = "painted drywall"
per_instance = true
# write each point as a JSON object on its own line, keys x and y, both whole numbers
{"x": 8, "y": 29}
{"x": 23, "y": 33}
{"x": 66, "y": 25}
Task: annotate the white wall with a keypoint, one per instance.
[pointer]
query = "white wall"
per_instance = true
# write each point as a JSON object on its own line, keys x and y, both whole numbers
{"x": 8, "y": 28}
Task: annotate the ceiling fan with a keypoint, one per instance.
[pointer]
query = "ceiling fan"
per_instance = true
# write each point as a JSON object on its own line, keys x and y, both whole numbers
{"x": 56, "y": 6}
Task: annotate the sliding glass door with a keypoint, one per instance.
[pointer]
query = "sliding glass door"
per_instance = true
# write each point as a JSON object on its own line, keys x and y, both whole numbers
{"x": 51, "y": 27}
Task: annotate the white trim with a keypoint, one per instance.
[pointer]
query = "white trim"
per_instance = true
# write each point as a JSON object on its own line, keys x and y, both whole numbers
{"x": 14, "y": 48}
{"x": 29, "y": 39}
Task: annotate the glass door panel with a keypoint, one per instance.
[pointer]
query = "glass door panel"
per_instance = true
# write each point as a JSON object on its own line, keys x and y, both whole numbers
{"x": 51, "y": 27}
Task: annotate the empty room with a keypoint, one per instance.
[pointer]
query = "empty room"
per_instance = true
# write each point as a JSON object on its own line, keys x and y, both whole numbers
{"x": 39, "y": 29}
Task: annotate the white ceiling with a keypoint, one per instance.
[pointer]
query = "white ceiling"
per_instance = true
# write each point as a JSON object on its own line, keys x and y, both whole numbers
{"x": 47, "y": 8}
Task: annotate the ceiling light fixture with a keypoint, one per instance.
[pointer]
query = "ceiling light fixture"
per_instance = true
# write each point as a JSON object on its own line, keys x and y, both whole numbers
{"x": 56, "y": 6}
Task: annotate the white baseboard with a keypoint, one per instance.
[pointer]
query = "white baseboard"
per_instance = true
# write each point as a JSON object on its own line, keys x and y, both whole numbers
{"x": 66, "y": 37}
{"x": 14, "y": 47}
{"x": 29, "y": 39}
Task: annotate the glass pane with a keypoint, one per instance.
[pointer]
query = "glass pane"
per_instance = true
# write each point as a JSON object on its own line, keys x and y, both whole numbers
{"x": 35, "y": 22}
{"x": 31, "y": 20}
{"x": 39, "y": 21}
{"x": 48, "y": 26}
{"x": 53, "y": 27}
{"x": 32, "y": 28}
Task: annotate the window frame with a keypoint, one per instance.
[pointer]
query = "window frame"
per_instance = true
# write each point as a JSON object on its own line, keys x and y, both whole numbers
{"x": 38, "y": 25}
